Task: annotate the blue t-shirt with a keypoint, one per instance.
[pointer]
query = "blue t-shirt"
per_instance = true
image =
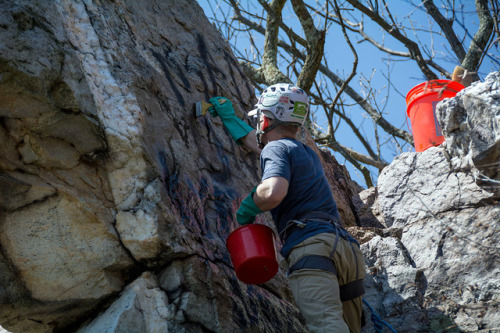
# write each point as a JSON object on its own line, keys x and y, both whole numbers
{"x": 308, "y": 189}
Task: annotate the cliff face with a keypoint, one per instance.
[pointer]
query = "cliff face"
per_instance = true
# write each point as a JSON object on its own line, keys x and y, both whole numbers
{"x": 115, "y": 201}
{"x": 112, "y": 194}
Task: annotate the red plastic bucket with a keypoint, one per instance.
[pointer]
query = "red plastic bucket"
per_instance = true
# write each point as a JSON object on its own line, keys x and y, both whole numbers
{"x": 421, "y": 104}
{"x": 253, "y": 253}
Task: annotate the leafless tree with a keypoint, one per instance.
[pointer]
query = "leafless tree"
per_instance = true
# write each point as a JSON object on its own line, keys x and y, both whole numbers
{"x": 290, "y": 47}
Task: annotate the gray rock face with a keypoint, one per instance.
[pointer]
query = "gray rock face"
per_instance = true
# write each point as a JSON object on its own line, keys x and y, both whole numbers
{"x": 441, "y": 270}
{"x": 418, "y": 186}
{"x": 52, "y": 233}
{"x": 472, "y": 128}
{"x": 394, "y": 286}
{"x": 115, "y": 201}
{"x": 449, "y": 244}
{"x": 141, "y": 307}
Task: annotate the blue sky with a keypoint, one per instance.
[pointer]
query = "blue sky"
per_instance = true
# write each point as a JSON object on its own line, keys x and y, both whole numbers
{"x": 390, "y": 77}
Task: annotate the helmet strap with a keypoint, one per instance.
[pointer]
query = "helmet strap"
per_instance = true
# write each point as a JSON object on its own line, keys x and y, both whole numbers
{"x": 265, "y": 128}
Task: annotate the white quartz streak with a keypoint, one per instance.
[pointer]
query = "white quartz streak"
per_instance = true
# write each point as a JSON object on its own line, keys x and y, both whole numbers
{"x": 117, "y": 108}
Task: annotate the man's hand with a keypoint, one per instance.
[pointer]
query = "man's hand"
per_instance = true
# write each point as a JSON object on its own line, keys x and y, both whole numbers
{"x": 248, "y": 210}
{"x": 222, "y": 107}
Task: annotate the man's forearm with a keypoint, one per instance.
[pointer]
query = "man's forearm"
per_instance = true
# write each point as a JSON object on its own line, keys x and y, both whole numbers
{"x": 250, "y": 141}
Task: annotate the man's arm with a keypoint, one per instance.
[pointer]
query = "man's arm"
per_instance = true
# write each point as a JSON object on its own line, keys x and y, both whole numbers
{"x": 250, "y": 141}
{"x": 267, "y": 195}
{"x": 270, "y": 193}
{"x": 241, "y": 132}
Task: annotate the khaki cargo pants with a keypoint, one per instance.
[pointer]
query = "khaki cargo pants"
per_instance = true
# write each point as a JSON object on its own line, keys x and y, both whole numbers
{"x": 316, "y": 292}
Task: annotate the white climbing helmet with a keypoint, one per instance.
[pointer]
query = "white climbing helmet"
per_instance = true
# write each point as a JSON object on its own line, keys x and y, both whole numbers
{"x": 285, "y": 102}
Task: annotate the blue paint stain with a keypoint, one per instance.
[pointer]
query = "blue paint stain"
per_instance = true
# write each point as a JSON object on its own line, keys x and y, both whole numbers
{"x": 175, "y": 191}
{"x": 168, "y": 65}
{"x": 223, "y": 205}
{"x": 170, "y": 180}
{"x": 222, "y": 156}
{"x": 237, "y": 309}
{"x": 190, "y": 200}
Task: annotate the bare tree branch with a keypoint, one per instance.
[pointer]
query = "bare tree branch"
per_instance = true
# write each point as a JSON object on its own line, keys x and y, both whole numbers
{"x": 354, "y": 65}
{"x": 315, "y": 46}
{"x": 439, "y": 68}
{"x": 381, "y": 121}
{"x": 253, "y": 73}
{"x": 283, "y": 26}
{"x": 359, "y": 28}
{"x": 349, "y": 122}
{"x": 348, "y": 153}
{"x": 381, "y": 47}
{"x": 394, "y": 32}
{"x": 481, "y": 38}
{"x": 270, "y": 58}
{"x": 447, "y": 28}
{"x": 496, "y": 15}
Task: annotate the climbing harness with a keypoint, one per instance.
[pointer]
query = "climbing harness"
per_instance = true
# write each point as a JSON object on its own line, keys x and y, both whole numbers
{"x": 349, "y": 290}
{"x": 378, "y": 322}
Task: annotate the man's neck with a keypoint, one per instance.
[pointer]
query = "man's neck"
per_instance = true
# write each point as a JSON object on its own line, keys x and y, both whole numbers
{"x": 279, "y": 136}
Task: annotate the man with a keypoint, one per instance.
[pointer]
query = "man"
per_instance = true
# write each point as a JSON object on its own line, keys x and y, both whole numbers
{"x": 325, "y": 262}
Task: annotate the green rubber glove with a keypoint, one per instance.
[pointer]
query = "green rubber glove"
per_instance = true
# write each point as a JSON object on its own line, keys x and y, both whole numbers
{"x": 248, "y": 210}
{"x": 236, "y": 127}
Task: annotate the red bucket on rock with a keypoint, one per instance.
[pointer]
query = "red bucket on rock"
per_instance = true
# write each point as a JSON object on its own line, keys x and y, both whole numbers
{"x": 421, "y": 104}
{"x": 253, "y": 253}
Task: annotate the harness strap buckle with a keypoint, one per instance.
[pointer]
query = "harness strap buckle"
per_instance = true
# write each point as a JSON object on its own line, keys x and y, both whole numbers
{"x": 299, "y": 223}
{"x": 285, "y": 232}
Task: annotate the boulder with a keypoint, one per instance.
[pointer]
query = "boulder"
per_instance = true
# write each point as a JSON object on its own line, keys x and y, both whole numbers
{"x": 440, "y": 272}
{"x": 424, "y": 185}
{"x": 76, "y": 267}
{"x": 471, "y": 124}
{"x": 141, "y": 307}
